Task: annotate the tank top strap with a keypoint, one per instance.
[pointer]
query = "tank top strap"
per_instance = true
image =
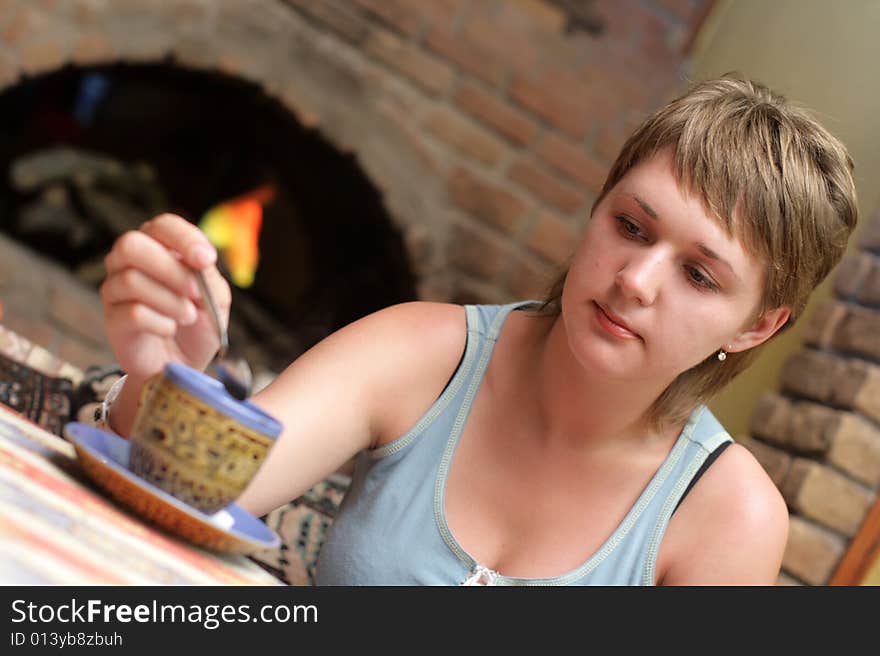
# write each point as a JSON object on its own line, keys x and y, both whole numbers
{"x": 486, "y": 320}
{"x": 702, "y": 434}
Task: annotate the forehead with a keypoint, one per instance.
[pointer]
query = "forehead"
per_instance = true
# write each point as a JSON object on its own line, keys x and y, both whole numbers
{"x": 720, "y": 196}
{"x": 653, "y": 187}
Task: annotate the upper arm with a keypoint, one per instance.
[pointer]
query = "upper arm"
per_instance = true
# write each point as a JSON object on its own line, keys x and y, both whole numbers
{"x": 731, "y": 529}
{"x": 336, "y": 398}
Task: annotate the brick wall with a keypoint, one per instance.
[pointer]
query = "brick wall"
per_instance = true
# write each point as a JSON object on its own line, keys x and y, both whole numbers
{"x": 488, "y": 124}
{"x": 43, "y": 302}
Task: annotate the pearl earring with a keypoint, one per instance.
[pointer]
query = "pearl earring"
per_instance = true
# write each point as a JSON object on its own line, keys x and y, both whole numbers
{"x": 722, "y": 355}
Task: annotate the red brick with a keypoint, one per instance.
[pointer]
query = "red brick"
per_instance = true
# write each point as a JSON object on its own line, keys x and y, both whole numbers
{"x": 438, "y": 13}
{"x": 485, "y": 25}
{"x": 538, "y": 13}
{"x": 468, "y": 291}
{"x": 561, "y": 104}
{"x": 431, "y": 74}
{"x": 427, "y": 152}
{"x": 546, "y": 186}
{"x": 529, "y": 277}
{"x": 339, "y": 17}
{"x": 478, "y": 252}
{"x": 496, "y": 113}
{"x": 553, "y": 238}
{"x": 464, "y": 136}
{"x": 486, "y": 200}
{"x": 469, "y": 57}
{"x": 613, "y": 134}
{"x": 573, "y": 161}
{"x": 401, "y": 16}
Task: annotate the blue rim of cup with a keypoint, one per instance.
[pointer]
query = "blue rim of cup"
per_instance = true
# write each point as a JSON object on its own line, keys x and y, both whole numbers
{"x": 211, "y": 391}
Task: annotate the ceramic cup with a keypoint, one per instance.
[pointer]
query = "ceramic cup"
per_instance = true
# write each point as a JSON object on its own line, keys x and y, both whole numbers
{"x": 192, "y": 439}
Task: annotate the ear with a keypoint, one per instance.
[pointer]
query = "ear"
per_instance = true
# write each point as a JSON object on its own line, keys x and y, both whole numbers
{"x": 763, "y": 329}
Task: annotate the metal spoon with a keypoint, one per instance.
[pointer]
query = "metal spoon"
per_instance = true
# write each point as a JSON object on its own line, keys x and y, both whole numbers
{"x": 234, "y": 373}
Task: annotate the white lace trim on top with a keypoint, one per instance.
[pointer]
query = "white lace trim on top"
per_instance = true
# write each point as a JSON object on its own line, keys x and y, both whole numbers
{"x": 481, "y": 576}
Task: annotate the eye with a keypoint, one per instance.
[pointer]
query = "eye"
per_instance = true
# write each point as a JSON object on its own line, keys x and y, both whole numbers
{"x": 699, "y": 279}
{"x": 628, "y": 228}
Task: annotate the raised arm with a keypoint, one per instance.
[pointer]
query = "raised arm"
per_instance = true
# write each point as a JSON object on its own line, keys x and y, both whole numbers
{"x": 362, "y": 386}
{"x": 365, "y": 384}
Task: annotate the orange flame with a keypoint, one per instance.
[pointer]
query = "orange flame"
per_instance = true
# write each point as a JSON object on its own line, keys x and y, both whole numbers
{"x": 233, "y": 226}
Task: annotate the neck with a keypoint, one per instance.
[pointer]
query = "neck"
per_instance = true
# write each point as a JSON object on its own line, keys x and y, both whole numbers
{"x": 579, "y": 407}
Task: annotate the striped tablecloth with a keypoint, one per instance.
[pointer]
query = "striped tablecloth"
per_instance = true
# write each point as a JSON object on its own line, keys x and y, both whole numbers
{"x": 56, "y": 528}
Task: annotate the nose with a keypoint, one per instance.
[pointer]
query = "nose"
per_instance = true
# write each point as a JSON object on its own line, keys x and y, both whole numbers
{"x": 640, "y": 276}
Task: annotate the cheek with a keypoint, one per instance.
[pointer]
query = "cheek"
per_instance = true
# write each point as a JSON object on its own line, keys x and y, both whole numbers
{"x": 695, "y": 330}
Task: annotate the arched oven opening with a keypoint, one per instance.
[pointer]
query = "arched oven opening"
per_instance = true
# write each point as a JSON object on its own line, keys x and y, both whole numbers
{"x": 87, "y": 153}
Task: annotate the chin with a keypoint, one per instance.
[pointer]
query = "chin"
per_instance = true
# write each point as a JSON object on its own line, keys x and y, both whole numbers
{"x": 596, "y": 355}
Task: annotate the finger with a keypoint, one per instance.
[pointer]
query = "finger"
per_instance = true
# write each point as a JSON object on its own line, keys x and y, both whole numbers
{"x": 141, "y": 318}
{"x": 134, "y": 286}
{"x": 137, "y": 250}
{"x": 178, "y": 234}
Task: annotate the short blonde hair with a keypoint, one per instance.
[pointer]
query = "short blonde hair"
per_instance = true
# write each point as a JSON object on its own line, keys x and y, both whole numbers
{"x": 771, "y": 176}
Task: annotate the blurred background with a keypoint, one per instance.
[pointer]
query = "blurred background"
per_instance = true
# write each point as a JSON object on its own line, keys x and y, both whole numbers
{"x": 345, "y": 155}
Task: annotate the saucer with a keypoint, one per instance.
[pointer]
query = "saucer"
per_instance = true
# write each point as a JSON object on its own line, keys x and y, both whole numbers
{"x": 104, "y": 457}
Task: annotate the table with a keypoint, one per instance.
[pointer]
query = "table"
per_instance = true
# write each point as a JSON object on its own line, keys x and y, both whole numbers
{"x": 57, "y": 528}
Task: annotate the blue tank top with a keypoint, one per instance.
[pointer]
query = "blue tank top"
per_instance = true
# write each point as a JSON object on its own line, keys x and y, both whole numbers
{"x": 391, "y": 528}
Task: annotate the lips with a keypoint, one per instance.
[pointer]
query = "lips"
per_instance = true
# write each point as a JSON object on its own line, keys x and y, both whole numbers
{"x": 614, "y": 323}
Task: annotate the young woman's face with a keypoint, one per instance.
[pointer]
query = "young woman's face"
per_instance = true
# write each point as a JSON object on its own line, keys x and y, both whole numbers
{"x": 656, "y": 285}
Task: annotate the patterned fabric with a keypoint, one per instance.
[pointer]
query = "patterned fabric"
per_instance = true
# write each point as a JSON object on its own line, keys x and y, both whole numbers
{"x": 43, "y": 399}
{"x": 302, "y": 524}
{"x": 45, "y": 389}
{"x": 50, "y": 392}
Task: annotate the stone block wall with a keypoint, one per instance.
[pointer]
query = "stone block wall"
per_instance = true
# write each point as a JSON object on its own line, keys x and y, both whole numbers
{"x": 819, "y": 435}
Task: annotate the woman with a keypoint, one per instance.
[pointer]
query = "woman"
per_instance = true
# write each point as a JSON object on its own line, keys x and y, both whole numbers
{"x": 563, "y": 442}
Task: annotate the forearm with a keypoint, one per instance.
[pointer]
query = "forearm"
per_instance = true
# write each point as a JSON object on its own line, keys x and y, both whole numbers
{"x": 123, "y": 409}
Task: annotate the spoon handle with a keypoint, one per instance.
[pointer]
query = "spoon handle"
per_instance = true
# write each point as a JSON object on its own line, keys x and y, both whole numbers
{"x": 215, "y": 313}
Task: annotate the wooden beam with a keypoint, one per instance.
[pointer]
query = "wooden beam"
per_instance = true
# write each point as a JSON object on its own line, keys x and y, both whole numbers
{"x": 863, "y": 551}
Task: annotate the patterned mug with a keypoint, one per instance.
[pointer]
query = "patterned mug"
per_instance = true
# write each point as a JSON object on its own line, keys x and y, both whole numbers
{"x": 192, "y": 439}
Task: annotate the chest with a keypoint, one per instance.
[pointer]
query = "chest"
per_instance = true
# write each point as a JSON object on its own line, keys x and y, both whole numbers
{"x": 527, "y": 510}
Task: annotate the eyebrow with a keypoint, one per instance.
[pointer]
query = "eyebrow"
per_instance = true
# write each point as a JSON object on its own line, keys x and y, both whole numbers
{"x": 647, "y": 208}
{"x": 705, "y": 250}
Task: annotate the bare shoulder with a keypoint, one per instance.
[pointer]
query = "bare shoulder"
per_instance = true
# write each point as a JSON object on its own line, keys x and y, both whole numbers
{"x": 730, "y": 529}
{"x": 415, "y": 348}
{"x": 435, "y": 330}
